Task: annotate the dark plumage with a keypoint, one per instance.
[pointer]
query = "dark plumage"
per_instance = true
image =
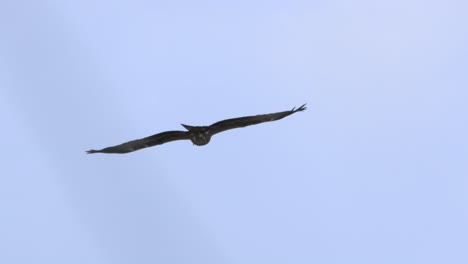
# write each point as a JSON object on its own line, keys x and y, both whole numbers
{"x": 199, "y": 135}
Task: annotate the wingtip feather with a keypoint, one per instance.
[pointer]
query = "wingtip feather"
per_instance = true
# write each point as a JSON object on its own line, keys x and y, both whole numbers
{"x": 301, "y": 108}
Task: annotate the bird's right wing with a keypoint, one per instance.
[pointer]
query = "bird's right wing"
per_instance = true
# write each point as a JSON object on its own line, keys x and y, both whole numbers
{"x": 150, "y": 141}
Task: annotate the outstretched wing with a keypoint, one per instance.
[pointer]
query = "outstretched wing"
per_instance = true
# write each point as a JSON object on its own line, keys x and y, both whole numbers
{"x": 250, "y": 120}
{"x": 150, "y": 141}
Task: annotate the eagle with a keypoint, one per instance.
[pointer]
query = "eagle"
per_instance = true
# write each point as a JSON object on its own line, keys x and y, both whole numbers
{"x": 199, "y": 135}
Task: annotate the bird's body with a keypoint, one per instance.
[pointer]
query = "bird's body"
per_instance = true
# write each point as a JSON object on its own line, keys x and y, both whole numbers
{"x": 199, "y": 135}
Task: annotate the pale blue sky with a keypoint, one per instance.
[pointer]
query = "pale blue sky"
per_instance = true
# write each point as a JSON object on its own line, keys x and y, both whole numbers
{"x": 375, "y": 171}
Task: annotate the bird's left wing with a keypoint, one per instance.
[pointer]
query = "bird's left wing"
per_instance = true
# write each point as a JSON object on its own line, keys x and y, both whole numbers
{"x": 251, "y": 120}
{"x": 150, "y": 141}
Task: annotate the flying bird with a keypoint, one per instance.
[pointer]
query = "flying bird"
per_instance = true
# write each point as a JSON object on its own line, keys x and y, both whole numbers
{"x": 199, "y": 135}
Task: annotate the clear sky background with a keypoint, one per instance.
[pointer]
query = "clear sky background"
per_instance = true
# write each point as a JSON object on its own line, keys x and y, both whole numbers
{"x": 375, "y": 171}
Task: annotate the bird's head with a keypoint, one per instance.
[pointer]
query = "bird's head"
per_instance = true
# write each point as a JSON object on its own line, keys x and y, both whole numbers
{"x": 199, "y": 135}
